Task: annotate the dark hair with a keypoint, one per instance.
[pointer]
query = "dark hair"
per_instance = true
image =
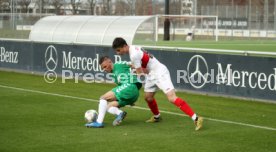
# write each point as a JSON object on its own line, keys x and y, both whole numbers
{"x": 103, "y": 58}
{"x": 118, "y": 42}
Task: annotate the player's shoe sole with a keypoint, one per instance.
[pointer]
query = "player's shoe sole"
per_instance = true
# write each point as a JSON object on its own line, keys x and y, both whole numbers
{"x": 94, "y": 125}
{"x": 199, "y": 123}
{"x": 153, "y": 119}
{"x": 119, "y": 118}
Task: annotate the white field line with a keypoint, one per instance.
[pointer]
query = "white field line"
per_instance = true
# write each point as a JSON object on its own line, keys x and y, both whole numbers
{"x": 137, "y": 107}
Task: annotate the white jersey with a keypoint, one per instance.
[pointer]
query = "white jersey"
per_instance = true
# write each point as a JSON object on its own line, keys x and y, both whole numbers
{"x": 159, "y": 75}
{"x": 142, "y": 59}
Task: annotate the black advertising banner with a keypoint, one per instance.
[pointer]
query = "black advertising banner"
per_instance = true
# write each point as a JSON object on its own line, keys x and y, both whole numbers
{"x": 242, "y": 76}
{"x": 230, "y": 75}
{"x": 226, "y": 23}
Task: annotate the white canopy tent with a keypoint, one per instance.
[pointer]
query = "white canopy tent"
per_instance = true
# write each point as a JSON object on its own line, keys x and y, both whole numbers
{"x": 86, "y": 29}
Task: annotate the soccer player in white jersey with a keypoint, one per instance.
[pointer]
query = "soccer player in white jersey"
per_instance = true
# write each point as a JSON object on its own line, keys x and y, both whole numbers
{"x": 158, "y": 76}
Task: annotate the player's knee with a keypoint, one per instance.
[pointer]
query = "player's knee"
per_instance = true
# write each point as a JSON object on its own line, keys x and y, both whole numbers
{"x": 149, "y": 98}
{"x": 171, "y": 97}
{"x": 102, "y": 98}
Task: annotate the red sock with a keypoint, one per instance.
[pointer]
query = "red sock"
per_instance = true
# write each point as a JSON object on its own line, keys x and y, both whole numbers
{"x": 153, "y": 107}
{"x": 184, "y": 106}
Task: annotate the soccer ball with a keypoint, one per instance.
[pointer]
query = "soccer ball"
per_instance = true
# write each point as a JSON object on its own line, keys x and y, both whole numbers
{"x": 189, "y": 38}
{"x": 90, "y": 115}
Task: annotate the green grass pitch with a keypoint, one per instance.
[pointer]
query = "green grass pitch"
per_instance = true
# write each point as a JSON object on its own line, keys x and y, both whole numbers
{"x": 244, "y": 45}
{"x": 35, "y": 117}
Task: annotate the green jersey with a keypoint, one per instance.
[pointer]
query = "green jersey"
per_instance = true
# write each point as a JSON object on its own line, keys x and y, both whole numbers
{"x": 127, "y": 91}
{"x": 122, "y": 73}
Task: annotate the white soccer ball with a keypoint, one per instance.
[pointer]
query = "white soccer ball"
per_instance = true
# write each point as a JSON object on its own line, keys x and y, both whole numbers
{"x": 189, "y": 38}
{"x": 90, "y": 115}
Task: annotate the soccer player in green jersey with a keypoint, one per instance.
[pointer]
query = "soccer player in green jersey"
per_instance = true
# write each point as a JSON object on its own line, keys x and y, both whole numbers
{"x": 126, "y": 92}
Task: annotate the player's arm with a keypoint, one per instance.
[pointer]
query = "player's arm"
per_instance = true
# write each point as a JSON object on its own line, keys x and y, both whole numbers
{"x": 139, "y": 70}
{"x": 136, "y": 64}
{"x": 130, "y": 65}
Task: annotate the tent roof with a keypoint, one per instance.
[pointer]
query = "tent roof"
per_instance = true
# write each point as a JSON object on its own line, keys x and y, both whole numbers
{"x": 86, "y": 29}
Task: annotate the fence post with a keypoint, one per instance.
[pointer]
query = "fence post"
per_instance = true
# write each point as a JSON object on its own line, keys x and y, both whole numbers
{"x": 249, "y": 18}
{"x": 274, "y": 17}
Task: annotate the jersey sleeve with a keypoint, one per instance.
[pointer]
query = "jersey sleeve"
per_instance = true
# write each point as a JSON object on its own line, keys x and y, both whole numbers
{"x": 136, "y": 57}
{"x": 136, "y": 61}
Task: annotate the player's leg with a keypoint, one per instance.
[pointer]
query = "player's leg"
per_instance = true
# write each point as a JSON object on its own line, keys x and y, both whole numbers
{"x": 150, "y": 89}
{"x": 165, "y": 84}
{"x": 101, "y": 113}
{"x": 181, "y": 104}
{"x": 126, "y": 94}
{"x": 184, "y": 106}
{"x": 152, "y": 104}
{"x": 113, "y": 108}
{"x": 109, "y": 96}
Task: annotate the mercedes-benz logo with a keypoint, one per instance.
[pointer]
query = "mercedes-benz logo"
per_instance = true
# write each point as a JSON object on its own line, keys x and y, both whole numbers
{"x": 51, "y": 58}
{"x": 197, "y": 71}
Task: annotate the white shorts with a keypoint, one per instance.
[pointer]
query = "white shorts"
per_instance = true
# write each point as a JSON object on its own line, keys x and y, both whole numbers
{"x": 161, "y": 80}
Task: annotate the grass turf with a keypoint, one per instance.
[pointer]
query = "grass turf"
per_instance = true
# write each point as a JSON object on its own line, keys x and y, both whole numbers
{"x": 244, "y": 45}
{"x": 32, "y": 121}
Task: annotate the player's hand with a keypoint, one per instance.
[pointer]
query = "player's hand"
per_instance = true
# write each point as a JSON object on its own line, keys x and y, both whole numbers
{"x": 145, "y": 71}
{"x": 142, "y": 71}
{"x": 133, "y": 71}
{"x": 131, "y": 66}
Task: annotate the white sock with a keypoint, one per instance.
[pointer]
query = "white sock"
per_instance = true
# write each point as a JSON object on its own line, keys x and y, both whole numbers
{"x": 157, "y": 116}
{"x": 102, "y": 110}
{"x": 114, "y": 110}
{"x": 194, "y": 117}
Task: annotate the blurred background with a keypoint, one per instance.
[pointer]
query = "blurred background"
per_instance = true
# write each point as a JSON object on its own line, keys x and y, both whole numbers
{"x": 237, "y": 19}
